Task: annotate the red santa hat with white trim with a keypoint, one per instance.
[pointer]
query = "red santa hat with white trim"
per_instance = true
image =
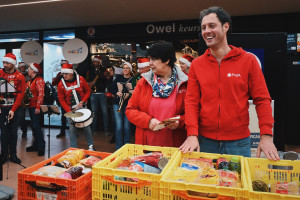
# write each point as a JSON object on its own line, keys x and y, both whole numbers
{"x": 143, "y": 62}
{"x": 36, "y": 67}
{"x": 186, "y": 59}
{"x": 21, "y": 64}
{"x": 67, "y": 68}
{"x": 10, "y": 58}
{"x": 97, "y": 58}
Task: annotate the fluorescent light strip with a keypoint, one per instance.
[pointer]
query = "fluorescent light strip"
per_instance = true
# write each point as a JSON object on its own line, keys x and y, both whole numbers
{"x": 28, "y": 3}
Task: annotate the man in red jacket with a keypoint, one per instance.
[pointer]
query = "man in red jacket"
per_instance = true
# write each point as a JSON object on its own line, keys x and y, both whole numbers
{"x": 10, "y": 102}
{"x": 220, "y": 84}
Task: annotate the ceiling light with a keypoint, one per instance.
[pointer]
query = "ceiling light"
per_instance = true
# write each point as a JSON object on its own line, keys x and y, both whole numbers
{"x": 29, "y": 3}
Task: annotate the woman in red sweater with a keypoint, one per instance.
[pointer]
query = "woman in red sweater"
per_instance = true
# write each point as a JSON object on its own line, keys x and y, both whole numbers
{"x": 159, "y": 95}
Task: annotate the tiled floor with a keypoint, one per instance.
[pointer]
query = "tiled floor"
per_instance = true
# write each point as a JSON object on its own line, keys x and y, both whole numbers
{"x": 101, "y": 143}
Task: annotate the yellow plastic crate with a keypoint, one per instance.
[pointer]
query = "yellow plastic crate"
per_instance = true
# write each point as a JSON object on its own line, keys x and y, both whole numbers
{"x": 105, "y": 187}
{"x": 263, "y": 169}
{"x": 176, "y": 190}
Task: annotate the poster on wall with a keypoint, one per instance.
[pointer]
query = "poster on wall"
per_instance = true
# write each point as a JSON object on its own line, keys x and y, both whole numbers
{"x": 32, "y": 52}
{"x": 75, "y": 50}
{"x": 298, "y": 42}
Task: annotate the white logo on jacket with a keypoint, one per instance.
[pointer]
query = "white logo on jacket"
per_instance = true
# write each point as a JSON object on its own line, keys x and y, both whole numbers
{"x": 233, "y": 75}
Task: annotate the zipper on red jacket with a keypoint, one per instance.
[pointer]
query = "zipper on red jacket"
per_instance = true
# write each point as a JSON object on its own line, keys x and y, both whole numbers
{"x": 219, "y": 99}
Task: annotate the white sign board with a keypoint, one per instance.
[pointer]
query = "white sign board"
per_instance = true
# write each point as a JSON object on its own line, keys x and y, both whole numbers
{"x": 32, "y": 52}
{"x": 75, "y": 50}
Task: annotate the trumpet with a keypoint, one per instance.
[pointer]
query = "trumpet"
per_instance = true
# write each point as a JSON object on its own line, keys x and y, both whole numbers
{"x": 121, "y": 102}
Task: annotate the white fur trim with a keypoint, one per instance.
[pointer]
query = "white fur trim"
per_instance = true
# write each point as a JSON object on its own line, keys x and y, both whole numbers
{"x": 9, "y": 60}
{"x": 22, "y": 64}
{"x": 185, "y": 61}
{"x": 67, "y": 71}
{"x": 34, "y": 68}
{"x": 96, "y": 59}
{"x": 144, "y": 64}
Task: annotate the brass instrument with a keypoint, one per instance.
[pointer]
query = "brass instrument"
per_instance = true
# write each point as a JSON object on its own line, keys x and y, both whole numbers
{"x": 121, "y": 102}
{"x": 93, "y": 86}
{"x": 28, "y": 95}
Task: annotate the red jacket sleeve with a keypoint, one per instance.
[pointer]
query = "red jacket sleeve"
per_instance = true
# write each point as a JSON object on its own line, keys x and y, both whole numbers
{"x": 19, "y": 96}
{"x": 192, "y": 103}
{"x": 86, "y": 89}
{"x": 62, "y": 97}
{"x": 261, "y": 98}
{"x": 133, "y": 112}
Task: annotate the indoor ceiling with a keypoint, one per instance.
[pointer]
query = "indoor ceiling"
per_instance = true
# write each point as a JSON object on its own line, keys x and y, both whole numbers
{"x": 49, "y": 14}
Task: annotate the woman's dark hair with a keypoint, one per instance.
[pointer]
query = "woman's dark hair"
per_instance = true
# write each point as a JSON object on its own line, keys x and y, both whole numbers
{"x": 164, "y": 51}
{"x": 222, "y": 15}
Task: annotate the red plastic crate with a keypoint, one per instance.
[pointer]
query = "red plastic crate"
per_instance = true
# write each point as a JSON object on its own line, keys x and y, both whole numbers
{"x": 66, "y": 189}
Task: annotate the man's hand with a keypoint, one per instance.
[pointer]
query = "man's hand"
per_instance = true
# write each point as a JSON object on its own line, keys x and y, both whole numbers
{"x": 153, "y": 122}
{"x": 11, "y": 114}
{"x": 190, "y": 144}
{"x": 173, "y": 125}
{"x": 267, "y": 146}
{"x": 80, "y": 105}
{"x": 37, "y": 111}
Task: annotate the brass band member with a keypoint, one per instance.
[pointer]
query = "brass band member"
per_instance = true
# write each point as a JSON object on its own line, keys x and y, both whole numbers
{"x": 120, "y": 103}
{"x": 73, "y": 93}
{"x": 97, "y": 83}
{"x": 9, "y": 116}
{"x": 36, "y": 86}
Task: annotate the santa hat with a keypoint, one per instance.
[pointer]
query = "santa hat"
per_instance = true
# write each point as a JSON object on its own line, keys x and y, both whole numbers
{"x": 63, "y": 62}
{"x": 97, "y": 59}
{"x": 21, "y": 64}
{"x": 10, "y": 58}
{"x": 67, "y": 68}
{"x": 143, "y": 62}
{"x": 186, "y": 59}
{"x": 128, "y": 64}
{"x": 36, "y": 67}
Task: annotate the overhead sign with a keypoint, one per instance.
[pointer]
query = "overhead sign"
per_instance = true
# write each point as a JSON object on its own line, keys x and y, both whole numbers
{"x": 32, "y": 52}
{"x": 75, "y": 50}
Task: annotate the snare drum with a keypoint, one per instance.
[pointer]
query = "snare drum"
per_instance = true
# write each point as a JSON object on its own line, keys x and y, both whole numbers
{"x": 85, "y": 120}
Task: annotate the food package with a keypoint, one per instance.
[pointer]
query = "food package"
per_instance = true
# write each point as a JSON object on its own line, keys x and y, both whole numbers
{"x": 208, "y": 176}
{"x": 75, "y": 172}
{"x": 65, "y": 175}
{"x": 73, "y": 159}
{"x": 124, "y": 163}
{"x": 143, "y": 158}
{"x": 260, "y": 186}
{"x": 182, "y": 174}
{"x": 229, "y": 178}
{"x": 78, "y": 152}
{"x": 199, "y": 162}
{"x": 291, "y": 188}
{"x": 90, "y": 161}
{"x": 52, "y": 171}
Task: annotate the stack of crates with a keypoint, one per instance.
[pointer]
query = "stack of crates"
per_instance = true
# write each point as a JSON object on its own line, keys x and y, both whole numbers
{"x": 65, "y": 189}
{"x": 107, "y": 187}
{"x": 271, "y": 172}
{"x": 178, "y": 190}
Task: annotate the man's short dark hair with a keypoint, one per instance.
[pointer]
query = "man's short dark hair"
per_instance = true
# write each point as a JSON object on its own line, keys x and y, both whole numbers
{"x": 222, "y": 15}
{"x": 164, "y": 51}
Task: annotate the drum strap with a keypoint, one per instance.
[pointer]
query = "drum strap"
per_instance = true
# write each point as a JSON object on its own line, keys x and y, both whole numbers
{"x": 73, "y": 88}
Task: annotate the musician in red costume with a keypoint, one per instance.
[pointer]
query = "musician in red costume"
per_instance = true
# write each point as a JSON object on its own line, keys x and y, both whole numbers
{"x": 9, "y": 105}
{"x": 36, "y": 86}
{"x": 73, "y": 93}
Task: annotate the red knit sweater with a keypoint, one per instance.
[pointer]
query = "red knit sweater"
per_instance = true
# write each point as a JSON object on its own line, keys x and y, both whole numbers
{"x": 37, "y": 87}
{"x": 216, "y": 104}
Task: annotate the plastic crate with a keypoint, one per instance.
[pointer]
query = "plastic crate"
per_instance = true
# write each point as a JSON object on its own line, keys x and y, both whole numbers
{"x": 105, "y": 187}
{"x": 77, "y": 189}
{"x": 176, "y": 190}
{"x": 270, "y": 172}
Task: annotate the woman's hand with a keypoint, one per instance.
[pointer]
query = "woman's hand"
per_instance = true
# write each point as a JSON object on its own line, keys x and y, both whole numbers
{"x": 153, "y": 122}
{"x": 119, "y": 94}
{"x": 37, "y": 111}
{"x": 173, "y": 125}
{"x": 190, "y": 144}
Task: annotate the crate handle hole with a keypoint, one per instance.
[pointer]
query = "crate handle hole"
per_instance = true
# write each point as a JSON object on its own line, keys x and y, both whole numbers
{"x": 280, "y": 167}
{"x": 148, "y": 151}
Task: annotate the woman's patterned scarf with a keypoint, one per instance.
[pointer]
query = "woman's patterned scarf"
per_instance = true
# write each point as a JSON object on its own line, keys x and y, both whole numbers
{"x": 164, "y": 90}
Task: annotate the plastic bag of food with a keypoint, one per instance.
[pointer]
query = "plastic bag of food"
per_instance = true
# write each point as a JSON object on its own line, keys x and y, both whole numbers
{"x": 229, "y": 178}
{"x": 69, "y": 158}
{"x": 199, "y": 162}
{"x": 52, "y": 171}
{"x": 208, "y": 176}
{"x": 65, "y": 175}
{"x": 78, "y": 152}
{"x": 89, "y": 161}
{"x": 291, "y": 188}
{"x": 185, "y": 175}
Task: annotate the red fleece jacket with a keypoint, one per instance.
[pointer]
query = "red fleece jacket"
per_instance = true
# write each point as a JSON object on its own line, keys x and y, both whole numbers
{"x": 216, "y": 104}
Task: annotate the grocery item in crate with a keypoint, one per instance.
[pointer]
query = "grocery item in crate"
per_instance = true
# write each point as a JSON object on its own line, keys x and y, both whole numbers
{"x": 260, "y": 186}
{"x": 222, "y": 163}
{"x": 208, "y": 176}
{"x": 200, "y": 162}
{"x": 234, "y": 164}
{"x": 149, "y": 158}
{"x": 229, "y": 178}
{"x": 291, "y": 188}
{"x": 135, "y": 167}
{"x": 78, "y": 152}
{"x": 148, "y": 168}
{"x": 52, "y": 171}
{"x": 90, "y": 161}
{"x": 68, "y": 160}
{"x": 186, "y": 175}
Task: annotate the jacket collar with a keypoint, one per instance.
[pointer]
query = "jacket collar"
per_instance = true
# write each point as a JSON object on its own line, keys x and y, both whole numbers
{"x": 182, "y": 77}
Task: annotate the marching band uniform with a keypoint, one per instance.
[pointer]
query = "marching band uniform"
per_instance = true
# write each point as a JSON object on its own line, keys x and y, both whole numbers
{"x": 9, "y": 108}
{"x": 36, "y": 86}
{"x": 72, "y": 93}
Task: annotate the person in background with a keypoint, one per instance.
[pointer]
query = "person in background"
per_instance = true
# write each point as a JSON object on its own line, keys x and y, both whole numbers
{"x": 22, "y": 68}
{"x": 122, "y": 130}
{"x": 73, "y": 93}
{"x": 97, "y": 82}
{"x": 159, "y": 95}
{"x": 55, "y": 82}
{"x": 36, "y": 86}
{"x": 185, "y": 63}
{"x": 221, "y": 81}
{"x": 143, "y": 67}
{"x": 10, "y": 112}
